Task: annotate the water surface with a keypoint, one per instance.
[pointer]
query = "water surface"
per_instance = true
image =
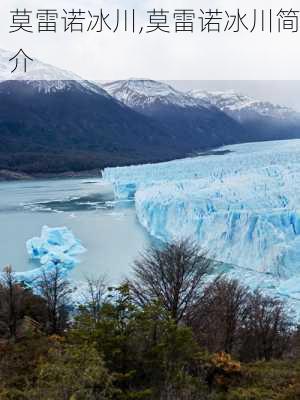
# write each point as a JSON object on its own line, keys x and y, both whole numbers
{"x": 109, "y": 230}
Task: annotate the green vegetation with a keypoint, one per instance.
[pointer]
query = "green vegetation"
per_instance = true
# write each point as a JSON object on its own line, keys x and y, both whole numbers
{"x": 164, "y": 335}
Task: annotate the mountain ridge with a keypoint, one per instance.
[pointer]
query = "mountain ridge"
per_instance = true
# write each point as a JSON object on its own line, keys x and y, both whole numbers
{"x": 234, "y": 103}
{"x": 52, "y": 121}
{"x": 257, "y": 120}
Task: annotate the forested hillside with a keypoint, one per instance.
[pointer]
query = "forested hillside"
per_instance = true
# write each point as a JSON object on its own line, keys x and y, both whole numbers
{"x": 164, "y": 334}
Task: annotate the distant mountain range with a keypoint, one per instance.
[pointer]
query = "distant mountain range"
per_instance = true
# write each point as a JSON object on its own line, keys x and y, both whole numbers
{"x": 192, "y": 123}
{"x": 255, "y": 120}
{"x": 53, "y": 121}
{"x": 261, "y": 119}
{"x": 67, "y": 124}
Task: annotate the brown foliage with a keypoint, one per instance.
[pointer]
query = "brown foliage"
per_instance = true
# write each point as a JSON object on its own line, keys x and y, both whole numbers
{"x": 172, "y": 276}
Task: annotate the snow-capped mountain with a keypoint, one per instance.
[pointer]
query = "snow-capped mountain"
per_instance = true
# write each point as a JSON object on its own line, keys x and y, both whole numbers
{"x": 193, "y": 123}
{"x": 44, "y": 77}
{"x": 122, "y": 122}
{"x": 49, "y": 109}
{"x": 242, "y": 107}
{"x": 261, "y": 120}
{"x": 201, "y": 111}
{"x": 73, "y": 129}
{"x": 142, "y": 93}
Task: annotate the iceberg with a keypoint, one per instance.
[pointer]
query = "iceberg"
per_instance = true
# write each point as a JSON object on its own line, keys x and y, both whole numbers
{"x": 55, "y": 247}
{"x": 59, "y": 241}
{"x": 242, "y": 206}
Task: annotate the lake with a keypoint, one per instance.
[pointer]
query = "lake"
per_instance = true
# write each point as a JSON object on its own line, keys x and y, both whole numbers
{"x": 109, "y": 230}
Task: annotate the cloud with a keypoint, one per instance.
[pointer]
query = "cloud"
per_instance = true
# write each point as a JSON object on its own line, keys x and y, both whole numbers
{"x": 108, "y": 56}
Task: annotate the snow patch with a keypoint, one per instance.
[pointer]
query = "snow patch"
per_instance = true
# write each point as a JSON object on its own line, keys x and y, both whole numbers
{"x": 45, "y": 77}
{"x": 140, "y": 93}
{"x": 241, "y": 107}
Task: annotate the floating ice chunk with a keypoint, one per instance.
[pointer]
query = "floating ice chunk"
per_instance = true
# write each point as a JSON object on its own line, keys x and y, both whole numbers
{"x": 57, "y": 241}
{"x": 55, "y": 247}
{"x": 31, "y": 277}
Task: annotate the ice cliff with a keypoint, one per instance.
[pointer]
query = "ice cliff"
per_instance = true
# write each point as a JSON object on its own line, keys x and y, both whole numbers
{"x": 242, "y": 204}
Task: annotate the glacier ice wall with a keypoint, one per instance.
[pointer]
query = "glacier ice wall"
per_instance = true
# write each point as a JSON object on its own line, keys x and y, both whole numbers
{"x": 250, "y": 221}
{"x": 127, "y": 180}
{"x": 242, "y": 206}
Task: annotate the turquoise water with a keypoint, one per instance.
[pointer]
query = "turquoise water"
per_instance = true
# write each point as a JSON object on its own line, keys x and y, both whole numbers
{"x": 109, "y": 230}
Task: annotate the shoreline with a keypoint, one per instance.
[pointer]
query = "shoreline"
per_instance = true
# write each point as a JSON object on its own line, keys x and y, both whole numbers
{"x": 13, "y": 176}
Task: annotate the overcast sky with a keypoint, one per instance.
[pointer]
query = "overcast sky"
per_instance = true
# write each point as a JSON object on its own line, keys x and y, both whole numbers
{"x": 197, "y": 56}
{"x": 209, "y": 61}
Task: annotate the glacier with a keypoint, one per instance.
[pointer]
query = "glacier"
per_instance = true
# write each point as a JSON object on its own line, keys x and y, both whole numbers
{"x": 55, "y": 247}
{"x": 242, "y": 206}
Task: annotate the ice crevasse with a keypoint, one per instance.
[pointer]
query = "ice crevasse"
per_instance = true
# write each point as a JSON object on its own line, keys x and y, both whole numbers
{"x": 242, "y": 205}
